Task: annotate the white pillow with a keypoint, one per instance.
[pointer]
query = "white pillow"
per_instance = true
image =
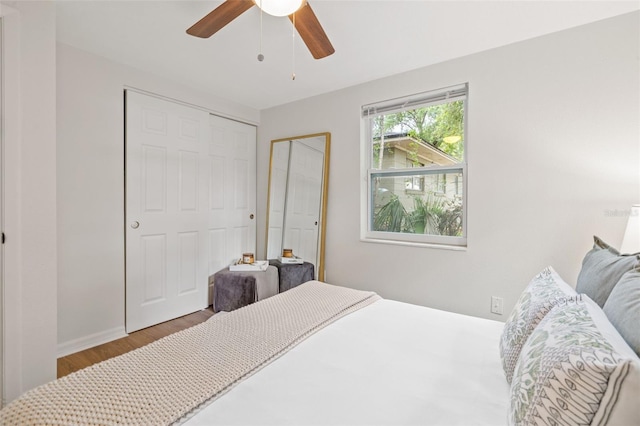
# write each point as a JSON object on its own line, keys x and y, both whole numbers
{"x": 544, "y": 291}
{"x": 575, "y": 368}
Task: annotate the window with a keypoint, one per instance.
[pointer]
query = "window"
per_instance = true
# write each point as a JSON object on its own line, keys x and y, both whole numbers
{"x": 415, "y": 168}
{"x": 415, "y": 183}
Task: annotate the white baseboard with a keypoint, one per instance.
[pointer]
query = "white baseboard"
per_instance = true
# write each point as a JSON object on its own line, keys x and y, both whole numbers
{"x": 77, "y": 345}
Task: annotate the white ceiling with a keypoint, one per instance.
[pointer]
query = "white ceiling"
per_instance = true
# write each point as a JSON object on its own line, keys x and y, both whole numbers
{"x": 372, "y": 38}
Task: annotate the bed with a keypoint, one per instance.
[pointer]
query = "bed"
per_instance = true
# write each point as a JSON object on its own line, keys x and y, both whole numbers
{"x": 321, "y": 354}
{"x": 389, "y": 363}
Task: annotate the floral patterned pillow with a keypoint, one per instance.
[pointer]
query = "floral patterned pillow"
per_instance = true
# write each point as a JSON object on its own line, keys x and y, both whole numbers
{"x": 545, "y": 291}
{"x": 575, "y": 369}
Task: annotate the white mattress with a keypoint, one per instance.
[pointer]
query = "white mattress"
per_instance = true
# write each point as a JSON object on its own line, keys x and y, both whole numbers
{"x": 390, "y": 363}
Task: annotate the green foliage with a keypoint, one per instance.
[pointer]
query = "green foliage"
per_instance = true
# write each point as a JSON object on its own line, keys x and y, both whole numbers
{"x": 450, "y": 220}
{"x": 430, "y": 124}
{"x": 412, "y": 154}
{"x": 392, "y": 217}
{"x": 448, "y": 122}
{"x": 425, "y": 215}
{"x": 431, "y": 215}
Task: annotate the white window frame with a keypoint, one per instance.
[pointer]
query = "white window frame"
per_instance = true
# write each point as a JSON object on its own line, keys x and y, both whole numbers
{"x": 435, "y": 97}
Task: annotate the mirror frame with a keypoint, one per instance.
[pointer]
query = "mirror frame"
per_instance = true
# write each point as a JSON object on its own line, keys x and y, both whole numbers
{"x": 319, "y": 267}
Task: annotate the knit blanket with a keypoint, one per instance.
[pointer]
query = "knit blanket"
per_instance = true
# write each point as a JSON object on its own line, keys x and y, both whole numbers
{"x": 164, "y": 381}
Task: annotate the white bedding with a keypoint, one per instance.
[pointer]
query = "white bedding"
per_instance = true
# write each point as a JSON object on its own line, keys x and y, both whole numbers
{"x": 389, "y": 363}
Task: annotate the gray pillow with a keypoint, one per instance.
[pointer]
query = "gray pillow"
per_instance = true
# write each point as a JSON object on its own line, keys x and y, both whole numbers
{"x": 602, "y": 268}
{"x": 623, "y": 308}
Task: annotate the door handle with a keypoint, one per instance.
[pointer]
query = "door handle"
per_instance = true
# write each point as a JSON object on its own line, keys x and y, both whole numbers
{"x": 251, "y": 216}
{"x": 135, "y": 224}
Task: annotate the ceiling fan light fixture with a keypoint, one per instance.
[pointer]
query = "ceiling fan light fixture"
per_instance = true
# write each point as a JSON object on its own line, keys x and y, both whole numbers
{"x": 304, "y": 21}
{"x": 279, "y": 7}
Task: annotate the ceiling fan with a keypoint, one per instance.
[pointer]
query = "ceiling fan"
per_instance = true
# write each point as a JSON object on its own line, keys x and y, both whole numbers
{"x": 299, "y": 12}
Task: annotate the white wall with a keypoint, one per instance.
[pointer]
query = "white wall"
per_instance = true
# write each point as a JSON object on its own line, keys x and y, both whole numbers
{"x": 29, "y": 189}
{"x": 553, "y": 144}
{"x": 90, "y": 157}
{"x": 558, "y": 115}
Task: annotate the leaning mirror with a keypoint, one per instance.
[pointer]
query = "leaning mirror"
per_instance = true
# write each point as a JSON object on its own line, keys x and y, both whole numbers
{"x": 297, "y": 198}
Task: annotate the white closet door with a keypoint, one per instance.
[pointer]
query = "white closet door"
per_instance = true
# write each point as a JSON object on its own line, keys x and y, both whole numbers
{"x": 166, "y": 186}
{"x": 232, "y": 194}
{"x": 190, "y": 205}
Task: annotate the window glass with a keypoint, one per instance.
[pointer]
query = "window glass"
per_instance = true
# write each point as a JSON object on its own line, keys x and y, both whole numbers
{"x": 436, "y": 209}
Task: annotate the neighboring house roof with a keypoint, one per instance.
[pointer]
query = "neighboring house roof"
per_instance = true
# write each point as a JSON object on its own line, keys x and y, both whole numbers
{"x": 425, "y": 151}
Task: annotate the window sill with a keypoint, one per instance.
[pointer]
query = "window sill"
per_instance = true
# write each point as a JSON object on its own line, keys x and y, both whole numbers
{"x": 414, "y": 244}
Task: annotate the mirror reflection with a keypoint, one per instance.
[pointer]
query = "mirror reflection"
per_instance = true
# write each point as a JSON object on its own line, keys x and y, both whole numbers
{"x": 296, "y": 210}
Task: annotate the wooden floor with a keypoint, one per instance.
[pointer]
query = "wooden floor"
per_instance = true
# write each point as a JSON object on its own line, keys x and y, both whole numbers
{"x": 80, "y": 360}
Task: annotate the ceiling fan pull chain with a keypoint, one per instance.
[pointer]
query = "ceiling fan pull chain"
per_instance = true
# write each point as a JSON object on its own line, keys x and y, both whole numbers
{"x": 293, "y": 48}
{"x": 260, "y": 55}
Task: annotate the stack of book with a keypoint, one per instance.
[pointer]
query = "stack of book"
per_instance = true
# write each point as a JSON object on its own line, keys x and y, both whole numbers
{"x": 292, "y": 259}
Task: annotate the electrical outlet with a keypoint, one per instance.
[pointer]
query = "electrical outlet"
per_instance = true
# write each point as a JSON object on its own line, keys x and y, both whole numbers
{"x": 496, "y": 305}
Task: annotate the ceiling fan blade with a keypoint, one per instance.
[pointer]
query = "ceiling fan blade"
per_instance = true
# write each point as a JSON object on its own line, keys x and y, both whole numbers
{"x": 219, "y": 17}
{"x": 311, "y": 32}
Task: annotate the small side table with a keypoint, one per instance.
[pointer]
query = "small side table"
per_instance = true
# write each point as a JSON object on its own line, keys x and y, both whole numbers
{"x": 293, "y": 274}
{"x": 235, "y": 289}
